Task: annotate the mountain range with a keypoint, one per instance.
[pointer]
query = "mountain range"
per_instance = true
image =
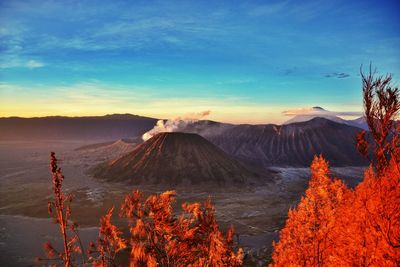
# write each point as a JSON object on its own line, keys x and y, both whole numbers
{"x": 263, "y": 145}
{"x": 291, "y": 145}
{"x": 94, "y": 128}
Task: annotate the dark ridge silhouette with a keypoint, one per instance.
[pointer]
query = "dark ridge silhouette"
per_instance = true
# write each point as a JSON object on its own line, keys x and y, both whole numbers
{"x": 109, "y": 127}
{"x": 176, "y": 158}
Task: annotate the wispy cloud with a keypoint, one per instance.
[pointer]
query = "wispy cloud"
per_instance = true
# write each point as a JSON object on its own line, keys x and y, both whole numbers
{"x": 268, "y": 9}
{"x": 12, "y": 46}
{"x": 15, "y": 61}
{"x": 339, "y": 75}
{"x": 290, "y": 9}
{"x": 33, "y": 64}
{"x": 289, "y": 71}
{"x": 182, "y": 32}
{"x": 237, "y": 81}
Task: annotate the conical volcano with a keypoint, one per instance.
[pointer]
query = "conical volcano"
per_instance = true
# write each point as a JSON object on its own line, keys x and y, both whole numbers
{"x": 176, "y": 158}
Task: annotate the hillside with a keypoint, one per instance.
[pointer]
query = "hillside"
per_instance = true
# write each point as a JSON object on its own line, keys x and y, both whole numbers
{"x": 293, "y": 144}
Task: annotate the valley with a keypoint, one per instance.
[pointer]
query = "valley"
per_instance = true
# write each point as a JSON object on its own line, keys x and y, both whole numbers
{"x": 257, "y": 211}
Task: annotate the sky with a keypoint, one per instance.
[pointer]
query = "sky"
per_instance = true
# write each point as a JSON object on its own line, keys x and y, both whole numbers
{"x": 244, "y": 61}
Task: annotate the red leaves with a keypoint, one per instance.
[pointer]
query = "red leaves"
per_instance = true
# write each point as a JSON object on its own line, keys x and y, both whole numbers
{"x": 307, "y": 238}
{"x": 159, "y": 238}
{"x": 362, "y": 144}
{"x": 111, "y": 234}
{"x": 50, "y": 251}
{"x": 335, "y": 226}
{"x": 49, "y": 209}
{"x": 110, "y": 242}
{"x": 131, "y": 206}
{"x": 382, "y": 106}
{"x": 60, "y": 208}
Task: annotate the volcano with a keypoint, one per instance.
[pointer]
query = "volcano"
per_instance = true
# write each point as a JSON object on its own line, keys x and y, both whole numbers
{"x": 293, "y": 144}
{"x": 176, "y": 158}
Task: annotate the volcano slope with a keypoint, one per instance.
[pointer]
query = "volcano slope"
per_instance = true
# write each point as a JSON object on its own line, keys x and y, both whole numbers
{"x": 291, "y": 145}
{"x": 177, "y": 159}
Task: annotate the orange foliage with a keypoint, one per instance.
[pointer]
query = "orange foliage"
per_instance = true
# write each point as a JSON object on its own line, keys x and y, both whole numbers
{"x": 109, "y": 243}
{"x": 193, "y": 239}
{"x": 158, "y": 238}
{"x": 60, "y": 208}
{"x": 307, "y": 239}
{"x": 336, "y": 226}
{"x": 381, "y": 105}
{"x": 369, "y": 222}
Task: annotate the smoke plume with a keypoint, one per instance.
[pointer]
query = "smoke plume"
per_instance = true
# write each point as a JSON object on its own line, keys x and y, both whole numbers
{"x": 174, "y": 125}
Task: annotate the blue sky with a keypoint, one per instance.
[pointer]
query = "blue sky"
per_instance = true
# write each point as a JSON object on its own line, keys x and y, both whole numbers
{"x": 246, "y": 61}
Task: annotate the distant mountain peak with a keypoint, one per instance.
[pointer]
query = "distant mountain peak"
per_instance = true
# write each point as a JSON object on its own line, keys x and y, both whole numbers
{"x": 121, "y": 116}
{"x": 308, "y": 117}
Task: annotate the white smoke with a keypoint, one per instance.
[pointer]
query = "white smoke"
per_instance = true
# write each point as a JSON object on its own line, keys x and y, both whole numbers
{"x": 174, "y": 125}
